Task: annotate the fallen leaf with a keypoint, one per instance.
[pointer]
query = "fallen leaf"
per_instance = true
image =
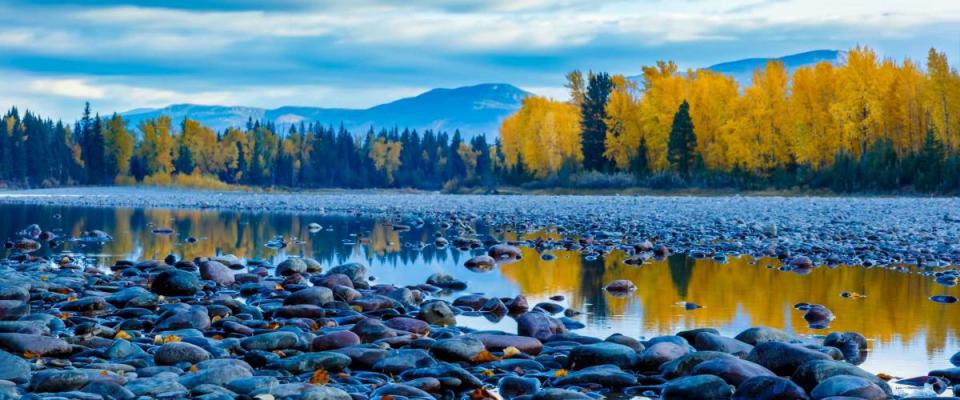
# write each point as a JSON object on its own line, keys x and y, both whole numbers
{"x": 30, "y": 355}
{"x": 884, "y": 376}
{"x": 314, "y": 326}
{"x": 104, "y": 372}
{"x": 487, "y": 373}
{"x": 484, "y": 356}
{"x": 44, "y": 278}
{"x": 123, "y": 335}
{"x": 510, "y": 352}
{"x": 71, "y": 299}
{"x": 193, "y": 368}
{"x": 483, "y": 394}
{"x": 218, "y": 337}
{"x": 273, "y": 326}
{"x": 216, "y": 318}
{"x": 278, "y": 287}
{"x": 320, "y": 377}
{"x": 560, "y": 372}
{"x": 280, "y": 353}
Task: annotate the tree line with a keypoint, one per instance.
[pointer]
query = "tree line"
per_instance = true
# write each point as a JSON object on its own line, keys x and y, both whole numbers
{"x": 36, "y": 152}
{"x": 865, "y": 124}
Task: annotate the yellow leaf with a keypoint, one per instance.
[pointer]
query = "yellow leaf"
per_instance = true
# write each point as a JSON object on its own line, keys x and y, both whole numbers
{"x": 560, "y": 372}
{"x": 278, "y": 287}
{"x": 487, "y": 373}
{"x": 314, "y": 326}
{"x": 104, "y": 372}
{"x": 193, "y": 368}
{"x": 483, "y": 394}
{"x": 280, "y": 353}
{"x": 885, "y": 376}
{"x": 510, "y": 352}
{"x": 216, "y": 318}
{"x": 30, "y": 355}
{"x": 63, "y": 316}
{"x": 484, "y": 356}
{"x": 44, "y": 278}
{"x": 320, "y": 377}
{"x": 273, "y": 326}
{"x": 123, "y": 335}
{"x": 71, "y": 299}
{"x": 218, "y": 337}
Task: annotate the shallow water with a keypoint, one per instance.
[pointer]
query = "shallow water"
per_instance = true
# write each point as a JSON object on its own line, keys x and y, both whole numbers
{"x": 908, "y": 333}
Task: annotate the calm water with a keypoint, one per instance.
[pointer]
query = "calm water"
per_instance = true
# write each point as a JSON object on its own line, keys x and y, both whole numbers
{"x": 908, "y": 333}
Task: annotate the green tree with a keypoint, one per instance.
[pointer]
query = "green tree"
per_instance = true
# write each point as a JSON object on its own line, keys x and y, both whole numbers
{"x": 593, "y": 122}
{"x": 682, "y": 147}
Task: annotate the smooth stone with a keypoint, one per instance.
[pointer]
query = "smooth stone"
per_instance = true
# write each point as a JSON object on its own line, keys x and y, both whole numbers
{"x": 174, "y": 282}
{"x": 250, "y": 384}
{"x": 699, "y": 387}
{"x": 494, "y": 342}
{"x": 399, "y": 389}
{"x": 684, "y": 365}
{"x": 178, "y": 352}
{"x": 769, "y": 388}
{"x": 402, "y": 360}
{"x": 41, "y": 345}
{"x": 539, "y": 326}
{"x": 195, "y": 317}
{"x": 651, "y": 358}
{"x": 270, "y": 341}
{"x": 437, "y": 313}
{"x": 216, "y": 372}
{"x": 812, "y": 373}
{"x": 603, "y": 353}
{"x": 626, "y": 341}
{"x": 58, "y": 380}
{"x": 852, "y": 344}
{"x": 445, "y": 281}
{"x": 445, "y": 370}
{"x": 511, "y": 386}
{"x": 607, "y": 375}
{"x": 334, "y": 340}
{"x": 732, "y": 370}
{"x": 848, "y": 386}
{"x": 317, "y": 295}
{"x": 408, "y": 325}
{"x": 309, "y": 362}
{"x": 217, "y": 272}
{"x": 783, "y": 358}
{"x": 757, "y": 335}
{"x": 290, "y": 266}
{"x": 13, "y": 309}
{"x": 303, "y": 391}
{"x": 14, "y": 368}
{"x": 109, "y": 390}
{"x": 152, "y": 387}
{"x": 713, "y": 342}
{"x": 457, "y": 349}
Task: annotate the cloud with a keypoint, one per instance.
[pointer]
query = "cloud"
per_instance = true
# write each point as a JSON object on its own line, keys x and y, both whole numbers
{"x": 132, "y": 53}
{"x": 72, "y": 88}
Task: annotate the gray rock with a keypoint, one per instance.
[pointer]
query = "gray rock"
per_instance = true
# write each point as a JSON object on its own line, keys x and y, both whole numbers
{"x": 699, "y": 387}
{"x": 178, "y": 352}
{"x": 732, "y": 370}
{"x": 769, "y": 388}
{"x": 58, "y": 381}
{"x": 14, "y": 368}
{"x": 783, "y": 358}
{"x": 606, "y": 375}
{"x": 457, "y": 349}
{"x": 848, "y": 386}
{"x": 174, "y": 282}
{"x": 603, "y": 353}
{"x": 270, "y": 341}
{"x": 437, "y": 313}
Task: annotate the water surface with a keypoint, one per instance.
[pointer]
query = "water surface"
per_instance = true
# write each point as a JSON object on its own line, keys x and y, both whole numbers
{"x": 908, "y": 333}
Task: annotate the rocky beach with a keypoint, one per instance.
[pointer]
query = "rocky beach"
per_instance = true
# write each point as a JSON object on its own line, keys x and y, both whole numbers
{"x": 221, "y": 326}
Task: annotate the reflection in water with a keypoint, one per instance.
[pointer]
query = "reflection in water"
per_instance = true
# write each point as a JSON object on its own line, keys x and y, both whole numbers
{"x": 909, "y": 333}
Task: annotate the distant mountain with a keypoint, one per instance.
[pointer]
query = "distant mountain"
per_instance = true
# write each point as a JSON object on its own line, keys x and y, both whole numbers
{"x": 742, "y": 70}
{"x": 474, "y": 110}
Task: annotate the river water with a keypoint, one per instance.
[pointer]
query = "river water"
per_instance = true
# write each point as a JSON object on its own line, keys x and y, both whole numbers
{"x": 908, "y": 333}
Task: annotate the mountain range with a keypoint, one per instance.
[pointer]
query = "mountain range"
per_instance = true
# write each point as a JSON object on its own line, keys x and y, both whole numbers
{"x": 474, "y": 110}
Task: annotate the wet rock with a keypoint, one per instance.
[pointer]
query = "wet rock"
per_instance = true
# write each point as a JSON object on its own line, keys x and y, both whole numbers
{"x": 446, "y": 281}
{"x": 626, "y": 341}
{"x": 603, "y": 353}
{"x": 193, "y": 317}
{"x": 58, "y": 381}
{"x": 651, "y": 358}
{"x": 152, "y": 387}
{"x": 457, "y": 349}
{"x": 40, "y": 345}
{"x": 783, "y": 358}
{"x": 404, "y": 360}
{"x": 310, "y": 362}
{"x": 504, "y": 252}
{"x": 480, "y": 263}
{"x": 539, "y": 326}
{"x": 812, "y": 373}
{"x": 175, "y": 353}
{"x": 270, "y": 341}
{"x": 215, "y": 372}
{"x": 497, "y": 342}
{"x": 714, "y": 342}
{"x": 316, "y": 295}
{"x": 174, "y": 282}
{"x": 848, "y": 386}
{"x": 511, "y": 386}
{"x": 754, "y": 336}
{"x": 251, "y": 384}
{"x": 853, "y": 345}
{"x": 684, "y": 365}
{"x": 13, "y": 368}
{"x": 291, "y": 266}
{"x": 355, "y": 271}
{"x": 700, "y": 387}
{"x": 437, "y": 313}
{"x": 607, "y": 375}
{"x": 108, "y": 390}
{"x": 13, "y": 309}
{"x": 559, "y": 394}
{"x": 732, "y": 370}
{"x": 408, "y": 325}
{"x": 399, "y": 389}
{"x": 818, "y": 316}
{"x": 769, "y": 388}
{"x": 334, "y": 340}
{"x": 217, "y": 272}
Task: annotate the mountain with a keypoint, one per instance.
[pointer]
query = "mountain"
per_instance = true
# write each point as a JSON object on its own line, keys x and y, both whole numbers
{"x": 742, "y": 70}
{"x": 474, "y": 110}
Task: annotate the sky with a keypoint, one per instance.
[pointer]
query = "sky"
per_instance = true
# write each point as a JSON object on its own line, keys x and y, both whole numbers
{"x": 121, "y": 55}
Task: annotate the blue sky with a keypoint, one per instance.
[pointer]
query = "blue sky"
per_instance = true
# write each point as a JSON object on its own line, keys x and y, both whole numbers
{"x": 120, "y": 55}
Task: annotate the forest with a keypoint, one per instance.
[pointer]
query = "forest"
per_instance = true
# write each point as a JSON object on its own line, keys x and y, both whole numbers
{"x": 865, "y": 125}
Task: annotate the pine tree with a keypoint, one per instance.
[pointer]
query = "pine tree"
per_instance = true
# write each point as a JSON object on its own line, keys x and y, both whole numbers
{"x": 593, "y": 121}
{"x": 682, "y": 147}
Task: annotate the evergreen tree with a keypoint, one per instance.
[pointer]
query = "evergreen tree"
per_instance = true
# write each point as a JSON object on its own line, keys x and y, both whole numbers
{"x": 593, "y": 117}
{"x": 682, "y": 147}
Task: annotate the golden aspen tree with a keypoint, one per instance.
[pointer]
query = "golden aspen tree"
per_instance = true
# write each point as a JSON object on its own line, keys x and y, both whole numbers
{"x": 663, "y": 91}
{"x": 623, "y": 125}
{"x": 857, "y": 108}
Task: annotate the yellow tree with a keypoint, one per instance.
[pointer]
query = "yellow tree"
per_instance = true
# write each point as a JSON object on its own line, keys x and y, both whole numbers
{"x": 157, "y": 146}
{"x": 663, "y": 91}
{"x": 812, "y": 93}
{"x": 386, "y": 156}
{"x": 118, "y": 143}
{"x": 857, "y": 109}
{"x": 762, "y": 126}
{"x": 943, "y": 99}
{"x": 623, "y": 124}
{"x": 713, "y": 100}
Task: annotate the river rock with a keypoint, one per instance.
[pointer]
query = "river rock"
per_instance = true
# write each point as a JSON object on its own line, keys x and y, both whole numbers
{"x": 13, "y": 368}
{"x": 783, "y": 358}
{"x": 334, "y": 340}
{"x": 699, "y": 387}
{"x": 608, "y": 375}
{"x": 769, "y": 388}
{"x": 754, "y": 336}
{"x": 457, "y": 349}
{"x": 732, "y": 370}
{"x": 270, "y": 341}
{"x": 653, "y": 357}
{"x": 539, "y": 325}
{"x": 437, "y": 312}
{"x": 603, "y": 353}
{"x": 317, "y": 295}
{"x": 40, "y": 345}
{"x": 174, "y": 282}
{"x": 179, "y": 352}
{"x": 290, "y": 266}
{"x": 852, "y": 344}
{"x": 714, "y": 342}
{"x": 217, "y": 272}
{"x": 813, "y": 372}
{"x": 58, "y": 381}
{"x": 848, "y": 386}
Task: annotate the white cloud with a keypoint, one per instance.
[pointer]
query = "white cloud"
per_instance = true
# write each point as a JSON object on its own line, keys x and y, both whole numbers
{"x": 72, "y": 88}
